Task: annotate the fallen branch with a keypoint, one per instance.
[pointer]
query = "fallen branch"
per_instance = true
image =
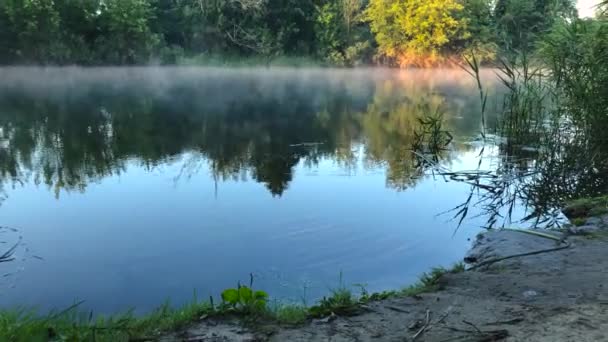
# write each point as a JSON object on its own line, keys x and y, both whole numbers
{"x": 425, "y": 326}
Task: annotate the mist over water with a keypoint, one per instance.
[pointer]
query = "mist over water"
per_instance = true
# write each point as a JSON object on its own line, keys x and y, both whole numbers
{"x": 138, "y": 184}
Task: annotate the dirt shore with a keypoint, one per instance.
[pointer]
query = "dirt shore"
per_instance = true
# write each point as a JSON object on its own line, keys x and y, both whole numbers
{"x": 557, "y": 295}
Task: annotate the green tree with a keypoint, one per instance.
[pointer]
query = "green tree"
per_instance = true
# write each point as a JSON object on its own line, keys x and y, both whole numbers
{"x": 35, "y": 27}
{"x": 79, "y": 29}
{"x": 330, "y": 33}
{"x": 126, "y": 37}
{"x": 481, "y": 38}
{"x": 342, "y": 36}
{"x": 416, "y": 32}
{"x": 520, "y": 23}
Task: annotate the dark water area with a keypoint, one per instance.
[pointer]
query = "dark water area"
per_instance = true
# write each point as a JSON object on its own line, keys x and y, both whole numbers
{"x": 129, "y": 186}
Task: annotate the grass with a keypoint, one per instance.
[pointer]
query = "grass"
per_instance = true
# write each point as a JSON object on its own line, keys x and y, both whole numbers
{"x": 291, "y": 314}
{"x": 431, "y": 282}
{"x": 341, "y": 302}
{"x": 579, "y": 221}
{"x": 601, "y": 235}
{"x": 72, "y": 324}
{"x": 586, "y": 207}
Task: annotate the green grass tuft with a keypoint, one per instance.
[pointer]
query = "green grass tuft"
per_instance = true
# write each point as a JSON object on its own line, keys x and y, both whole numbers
{"x": 579, "y": 221}
{"x": 458, "y": 268}
{"x": 430, "y": 282}
{"x": 586, "y": 207}
{"x": 291, "y": 314}
{"x": 74, "y": 325}
{"x": 340, "y": 302}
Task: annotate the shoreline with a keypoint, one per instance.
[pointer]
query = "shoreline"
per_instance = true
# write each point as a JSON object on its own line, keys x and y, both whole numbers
{"x": 520, "y": 285}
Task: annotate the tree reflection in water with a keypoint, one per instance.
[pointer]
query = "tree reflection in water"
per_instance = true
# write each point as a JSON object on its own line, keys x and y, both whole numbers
{"x": 69, "y": 130}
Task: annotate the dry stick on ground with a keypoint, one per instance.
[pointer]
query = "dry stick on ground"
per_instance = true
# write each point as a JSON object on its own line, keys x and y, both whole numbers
{"x": 426, "y": 325}
{"x": 472, "y": 325}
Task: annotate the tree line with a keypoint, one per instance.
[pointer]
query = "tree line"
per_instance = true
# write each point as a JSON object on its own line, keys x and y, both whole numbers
{"x": 336, "y": 32}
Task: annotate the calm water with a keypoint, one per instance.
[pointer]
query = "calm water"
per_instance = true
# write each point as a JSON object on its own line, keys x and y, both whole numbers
{"x": 129, "y": 186}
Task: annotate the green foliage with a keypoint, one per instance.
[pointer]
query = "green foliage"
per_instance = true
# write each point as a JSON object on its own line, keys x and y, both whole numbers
{"x": 329, "y": 32}
{"x": 72, "y": 325}
{"x": 579, "y": 221}
{"x": 34, "y": 28}
{"x": 555, "y": 114}
{"x": 585, "y": 207}
{"x": 405, "y": 32}
{"x": 520, "y": 23}
{"x": 126, "y": 35}
{"x": 480, "y": 40}
{"x": 245, "y": 300}
{"x": 458, "y": 268}
{"x": 431, "y": 137}
{"x": 340, "y": 302}
{"x": 415, "y": 32}
{"x": 342, "y": 37}
{"x": 573, "y": 51}
{"x": 428, "y": 282}
{"x": 291, "y": 314}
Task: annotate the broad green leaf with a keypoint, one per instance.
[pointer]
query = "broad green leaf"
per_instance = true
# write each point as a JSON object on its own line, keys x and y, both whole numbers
{"x": 231, "y": 296}
{"x": 260, "y": 295}
{"x": 245, "y": 294}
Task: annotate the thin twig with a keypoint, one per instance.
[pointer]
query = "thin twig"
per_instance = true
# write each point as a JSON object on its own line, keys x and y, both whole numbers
{"x": 472, "y": 325}
{"x": 426, "y": 325}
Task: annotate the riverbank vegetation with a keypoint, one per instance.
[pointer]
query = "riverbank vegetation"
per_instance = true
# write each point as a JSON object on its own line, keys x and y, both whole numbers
{"x": 554, "y": 118}
{"x": 249, "y": 306}
{"x": 332, "y": 32}
{"x": 550, "y": 130}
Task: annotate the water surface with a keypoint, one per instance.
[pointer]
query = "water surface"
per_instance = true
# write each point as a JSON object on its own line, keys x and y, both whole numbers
{"x": 129, "y": 186}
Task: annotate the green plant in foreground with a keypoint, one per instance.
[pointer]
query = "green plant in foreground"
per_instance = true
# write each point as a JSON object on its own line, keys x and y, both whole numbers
{"x": 290, "y": 314}
{"x": 340, "y": 302}
{"x": 585, "y": 207}
{"x": 579, "y": 221}
{"x": 245, "y": 300}
{"x": 430, "y": 282}
{"x": 72, "y": 325}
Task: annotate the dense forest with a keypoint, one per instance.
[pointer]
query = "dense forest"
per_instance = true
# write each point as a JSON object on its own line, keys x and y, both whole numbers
{"x": 334, "y": 32}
